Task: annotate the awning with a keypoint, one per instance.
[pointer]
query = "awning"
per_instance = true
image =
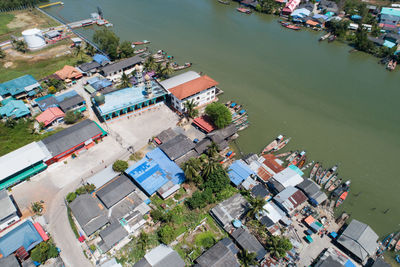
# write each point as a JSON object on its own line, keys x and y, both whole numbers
{"x": 41, "y": 232}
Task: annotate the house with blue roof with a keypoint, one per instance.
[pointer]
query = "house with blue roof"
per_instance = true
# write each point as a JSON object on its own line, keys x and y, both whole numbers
{"x": 157, "y": 173}
{"x": 239, "y": 171}
{"x": 390, "y": 16}
{"x": 101, "y": 59}
{"x": 20, "y": 87}
{"x": 13, "y": 109}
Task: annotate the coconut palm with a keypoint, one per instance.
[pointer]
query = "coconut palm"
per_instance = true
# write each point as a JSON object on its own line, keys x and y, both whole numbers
{"x": 167, "y": 70}
{"x": 190, "y": 107}
{"x": 256, "y": 205}
{"x": 278, "y": 246}
{"x": 210, "y": 165}
{"x": 78, "y": 52}
{"x": 247, "y": 259}
{"x": 150, "y": 63}
{"x": 124, "y": 81}
{"x": 192, "y": 168}
{"x": 213, "y": 150}
{"x": 37, "y": 207}
{"x": 90, "y": 50}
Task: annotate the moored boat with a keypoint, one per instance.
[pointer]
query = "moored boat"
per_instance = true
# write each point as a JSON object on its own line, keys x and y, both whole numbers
{"x": 319, "y": 172}
{"x": 308, "y": 165}
{"x": 335, "y": 185}
{"x": 273, "y": 144}
{"x": 292, "y": 156}
{"x": 281, "y": 144}
{"x": 140, "y": 51}
{"x": 302, "y": 162}
{"x": 328, "y": 174}
{"x": 224, "y": 2}
{"x": 319, "y": 176}
{"x": 340, "y": 189}
{"x": 141, "y": 42}
{"x": 342, "y": 198}
{"x": 331, "y": 181}
{"x": 290, "y": 26}
{"x": 281, "y": 155}
{"x": 298, "y": 158}
{"x": 322, "y": 38}
{"x": 181, "y": 67}
{"x": 331, "y": 38}
{"x": 244, "y": 10}
{"x": 314, "y": 170}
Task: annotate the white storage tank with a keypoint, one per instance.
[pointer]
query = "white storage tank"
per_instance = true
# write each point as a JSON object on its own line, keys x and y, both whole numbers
{"x": 34, "y": 38}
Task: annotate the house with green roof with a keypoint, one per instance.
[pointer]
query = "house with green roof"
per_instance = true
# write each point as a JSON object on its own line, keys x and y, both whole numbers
{"x": 390, "y": 16}
{"x": 20, "y": 87}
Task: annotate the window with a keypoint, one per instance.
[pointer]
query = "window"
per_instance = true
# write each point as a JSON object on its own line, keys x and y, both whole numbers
{"x": 208, "y": 93}
{"x": 208, "y": 99}
{"x": 212, "y": 91}
{"x": 198, "y": 98}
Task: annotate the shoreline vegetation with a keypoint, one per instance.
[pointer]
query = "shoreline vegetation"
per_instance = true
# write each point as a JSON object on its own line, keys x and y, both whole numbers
{"x": 359, "y": 39}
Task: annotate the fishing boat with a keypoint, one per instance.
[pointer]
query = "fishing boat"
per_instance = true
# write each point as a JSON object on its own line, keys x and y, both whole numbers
{"x": 224, "y": 2}
{"x": 290, "y": 26}
{"x": 298, "y": 158}
{"x": 330, "y": 181}
{"x": 342, "y": 188}
{"x": 314, "y": 170}
{"x": 243, "y": 10}
{"x": 319, "y": 172}
{"x": 302, "y": 162}
{"x": 391, "y": 65}
{"x": 159, "y": 60}
{"x": 328, "y": 175}
{"x": 342, "y": 198}
{"x": 335, "y": 185}
{"x": 319, "y": 177}
{"x": 292, "y": 156}
{"x": 273, "y": 144}
{"x": 322, "y": 38}
{"x": 331, "y": 38}
{"x": 181, "y": 67}
{"x": 141, "y": 42}
{"x": 308, "y": 165}
{"x": 237, "y": 107}
{"x": 228, "y": 103}
{"x": 281, "y": 155}
{"x": 158, "y": 56}
{"x": 281, "y": 145}
{"x": 140, "y": 51}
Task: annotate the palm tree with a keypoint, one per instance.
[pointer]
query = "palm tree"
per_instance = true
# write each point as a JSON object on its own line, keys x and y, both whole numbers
{"x": 192, "y": 168}
{"x": 90, "y": 50}
{"x": 37, "y": 207}
{"x": 124, "y": 81}
{"x": 150, "y": 63}
{"x": 256, "y": 205}
{"x": 210, "y": 165}
{"x": 213, "y": 150}
{"x": 247, "y": 258}
{"x": 278, "y": 246}
{"x": 190, "y": 107}
{"x": 167, "y": 70}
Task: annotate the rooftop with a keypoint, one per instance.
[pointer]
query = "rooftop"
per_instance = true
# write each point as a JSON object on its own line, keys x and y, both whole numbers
{"x": 22, "y": 158}
{"x": 290, "y": 198}
{"x": 391, "y": 11}
{"x": 18, "y": 85}
{"x": 161, "y": 256}
{"x": 238, "y": 172}
{"x": 128, "y": 97}
{"x": 260, "y": 191}
{"x": 89, "y": 213}
{"x": 111, "y": 235}
{"x": 291, "y": 176}
{"x": 68, "y": 72}
{"x": 6, "y": 205}
{"x": 70, "y": 102}
{"x": 359, "y": 239}
{"x": 122, "y": 64}
{"x": 177, "y": 147}
{"x": 230, "y": 209}
{"x": 167, "y": 135}
{"x": 68, "y": 138}
{"x": 155, "y": 170}
{"x": 248, "y": 242}
{"x": 49, "y": 115}
{"x": 221, "y": 254}
{"x": 101, "y": 59}
{"x": 192, "y": 87}
{"x": 115, "y": 191}
{"x": 102, "y": 177}
{"x": 179, "y": 79}
{"x": 204, "y": 123}
{"x": 9, "y": 261}
{"x": 14, "y": 109}
{"x": 88, "y": 66}
{"x": 273, "y": 212}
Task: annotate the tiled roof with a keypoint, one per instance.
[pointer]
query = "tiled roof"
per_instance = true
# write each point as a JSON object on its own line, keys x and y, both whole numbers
{"x": 192, "y": 87}
{"x": 50, "y": 115}
{"x": 68, "y": 72}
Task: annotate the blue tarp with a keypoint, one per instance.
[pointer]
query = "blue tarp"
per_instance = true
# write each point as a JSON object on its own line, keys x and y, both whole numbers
{"x": 155, "y": 170}
{"x": 333, "y": 235}
{"x": 100, "y": 59}
{"x": 300, "y": 13}
{"x": 319, "y": 16}
{"x": 239, "y": 172}
{"x": 349, "y": 264}
{"x": 23, "y": 235}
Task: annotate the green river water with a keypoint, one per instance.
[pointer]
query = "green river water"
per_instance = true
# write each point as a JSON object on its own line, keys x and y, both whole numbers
{"x": 340, "y": 107}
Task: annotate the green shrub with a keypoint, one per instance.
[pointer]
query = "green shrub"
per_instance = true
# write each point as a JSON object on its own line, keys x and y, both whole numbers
{"x": 166, "y": 234}
{"x": 219, "y": 114}
{"x": 120, "y": 166}
{"x": 71, "y": 197}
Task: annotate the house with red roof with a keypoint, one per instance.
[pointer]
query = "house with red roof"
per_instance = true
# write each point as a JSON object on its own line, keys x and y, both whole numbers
{"x": 201, "y": 90}
{"x": 50, "y": 116}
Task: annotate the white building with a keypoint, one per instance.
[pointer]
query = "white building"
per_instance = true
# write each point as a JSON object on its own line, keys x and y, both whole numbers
{"x": 190, "y": 86}
{"x": 8, "y": 212}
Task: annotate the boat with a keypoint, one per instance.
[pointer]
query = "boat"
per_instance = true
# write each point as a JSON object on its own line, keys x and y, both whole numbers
{"x": 292, "y": 156}
{"x": 228, "y": 103}
{"x": 244, "y": 10}
{"x": 159, "y": 60}
{"x": 391, "y": 65}
{"x": 141, "y": 42}
{"x": 340, "y": 189}
{"x": 322, "y": 38}
{"x": 273, "y": 144}
{"x": 335, "y": 185}
{"x": 224, "y": 2}
{"x": 290, "y": 26}
{"x": 330, "y": 181}
{"x": 328, "y": 174}
{"x": 298, "y": 158}
{"x": 331, "y": 38}
{"x": 314, "y": 170}
{"x": 302, "y": 162}
{"x": 342, "y": 198}
{"x": 140, "y": 51}
{"x": 181, "y": 67}
{"x": 319, "y": 172}
{"x": 281, "y": 145}
{"x": 308, "y": 165}
{"x": 281, "y": 155}
{"x": 158, "y": 56}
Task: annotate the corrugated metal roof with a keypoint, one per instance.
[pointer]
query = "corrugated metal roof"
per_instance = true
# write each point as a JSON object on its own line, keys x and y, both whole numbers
{"x": 6, "y": 205}
{"x": 179, "y": 79}
{"x": 14, "y": 109}
{"x": 116, "y": 190}
{"x": 102, "y": 177}
{"x": 18, "y": 85}
{"x": 239, "y": 171}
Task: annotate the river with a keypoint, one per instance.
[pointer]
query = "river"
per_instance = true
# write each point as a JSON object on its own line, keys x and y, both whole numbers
{"x": 341, "y": 107}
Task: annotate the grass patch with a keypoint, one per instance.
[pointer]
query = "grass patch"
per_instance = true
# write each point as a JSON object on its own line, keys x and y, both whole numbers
{"x": 5, "y": 18}
{"x": 20, "y": 135}
{"x": 72, "y": 223}
{"x": 38, "y": 69}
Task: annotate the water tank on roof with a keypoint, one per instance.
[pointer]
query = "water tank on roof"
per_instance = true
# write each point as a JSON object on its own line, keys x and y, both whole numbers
{"x": 34, "y": 38}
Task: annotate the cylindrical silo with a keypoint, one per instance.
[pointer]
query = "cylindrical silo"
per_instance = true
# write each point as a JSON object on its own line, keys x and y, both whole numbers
{"x": 34, "y": 38}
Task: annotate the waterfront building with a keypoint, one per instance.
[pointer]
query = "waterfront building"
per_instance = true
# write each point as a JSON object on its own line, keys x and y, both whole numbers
{"x": 51, "y": 116}
{"x": 23, "y": 163}
{"x": 390, "y": 17}
{"x": 289, "y": 199}
{"x": 291, "y": 176}
{"x": 13, "y": 109}
{"x": 359, "y": 241}
{"x": 8, "y": 211}
{"x": 21, "y": 87}
{"x": 332, "y": 258}
{"x": 239, "y": 171}
{"x": 113, "y": 71}
{"x": 313, "y": 192}
{"x": 129, "y": 100}
{"x": 290, "y": 7}
{"x": 201, "y": 90}
{"x": 72, "y": 140}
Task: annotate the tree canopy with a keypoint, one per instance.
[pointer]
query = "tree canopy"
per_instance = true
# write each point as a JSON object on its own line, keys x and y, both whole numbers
{"x": 120, "y": 166}
{"x": 108, "y": 41}
{"x": 44, "y": 251}
{"x": 11, "y": 4}
{"x": 278, "y": 246}
{"x": 219, "y": 114}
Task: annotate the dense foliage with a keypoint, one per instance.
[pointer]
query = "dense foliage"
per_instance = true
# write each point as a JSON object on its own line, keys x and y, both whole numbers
{"x": 278, "y": 246}
{"x": 85, "y": 189}
{"x": 72, "y": 116}
{"x": 219, "y": 114}
{"x": 109, "y": 42}
{"x": 17, "y": 4}
{"x": 120, "y": 166}
{"x": 44, "y": 251}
